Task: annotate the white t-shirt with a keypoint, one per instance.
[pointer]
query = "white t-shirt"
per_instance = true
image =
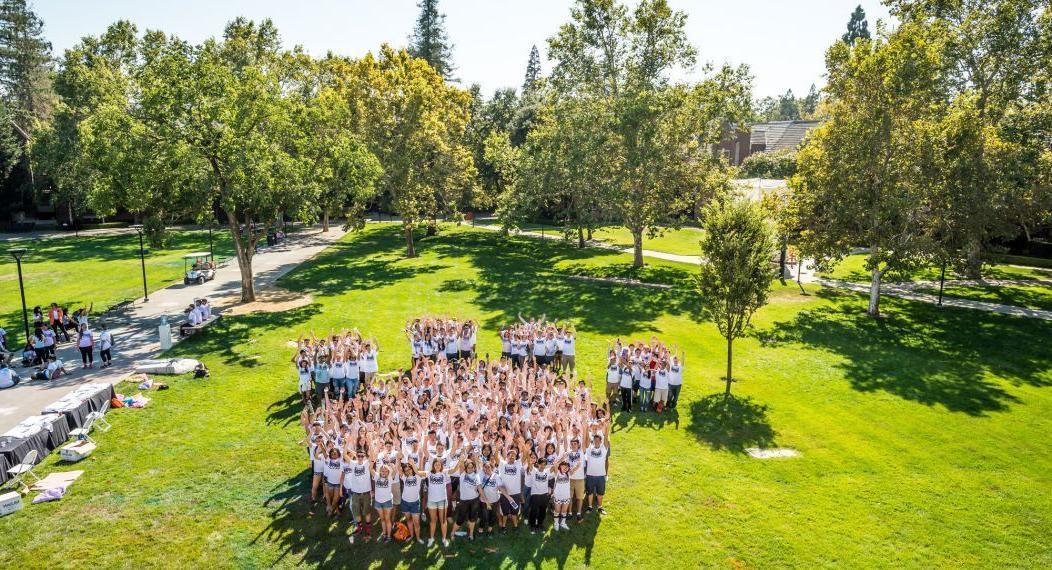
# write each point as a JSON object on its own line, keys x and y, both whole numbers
{"x": 369, "y": 363}
{"x": 576, "y": 459}
{"x": 595, "y": 461}
{"x": 491, "y": 487}
{"x": 511, "y": 473}
{"x": 436, "y": 486}
{"x": 384, "y": 490}
{"x": 675, "y": 375}
{"x": 613, "y": 375}
{"x": 361, "y": 479}
{"x": 569, "y": 345}
{"x": 626, "y": 378}
{"x": 469, "y": 486}
{"x": 661, "y": 379}
{"x": 105, "y": 340}
{"x": 411, "y": 488}
{"x": 6, "y": 378}
{"x": 562, "y": 487}
{"x": 538, "y": 479}
{"x": 332, "y": 469}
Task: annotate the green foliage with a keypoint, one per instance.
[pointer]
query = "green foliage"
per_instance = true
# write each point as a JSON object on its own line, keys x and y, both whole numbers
{"x": 429, "y": 40}
{"x": 488, "y": 118}
{"x": 857, "y": 26}
{"x": 773, "y": 164}
{"x": 788, "y": 107}
{"x": 861, "y": 175}
{"x": 533, "y": 72}
{"x": 415, "y": 124}
{"x": 736, "y": 272}
{"x": 25, "y": 66}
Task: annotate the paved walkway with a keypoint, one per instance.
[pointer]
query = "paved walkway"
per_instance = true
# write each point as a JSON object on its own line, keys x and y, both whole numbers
{"x": 135, "y": 329}
{"x": 905, "y": 290}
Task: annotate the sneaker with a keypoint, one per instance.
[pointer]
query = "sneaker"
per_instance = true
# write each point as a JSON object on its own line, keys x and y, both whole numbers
{"x": 430, "y": 542}
{"x": 579, "y": 517}
{"x": 350, "y": 539}
{"x": 421, "y": 541}
{"x": 602, "y": 511}
{"x": 445, "y": 543}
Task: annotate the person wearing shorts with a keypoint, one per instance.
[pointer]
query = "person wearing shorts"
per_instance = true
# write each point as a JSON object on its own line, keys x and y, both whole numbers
{"x": 595, "y": 469}
{"x": 469, "y": 507}
{"x": 410, "y": 503}
{"x": 576, "y": 459}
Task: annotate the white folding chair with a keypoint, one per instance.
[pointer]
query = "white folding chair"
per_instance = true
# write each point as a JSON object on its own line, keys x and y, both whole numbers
{"x": 84, "y": 432}
{"x": 18, "y": 472}
{"x": 100, "y": 421}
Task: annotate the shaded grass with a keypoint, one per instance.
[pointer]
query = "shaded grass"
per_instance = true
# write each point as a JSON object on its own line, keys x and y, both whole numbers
{"x": 852, "y": 268}
{"x": 923, "y": 435}
{"x": 1031, "y": 297}
{"x": 683, "y": 241}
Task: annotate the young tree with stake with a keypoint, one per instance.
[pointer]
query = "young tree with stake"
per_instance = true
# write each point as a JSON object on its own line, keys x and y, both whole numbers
{"x": 736, "y": 269}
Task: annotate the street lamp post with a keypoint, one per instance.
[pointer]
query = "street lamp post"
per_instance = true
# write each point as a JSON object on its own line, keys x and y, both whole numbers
{"x": 210, "y": 251}
{"x": 942, "y": 282}
{"x": 142, "y": 260}
{"x": 17, "y": 253}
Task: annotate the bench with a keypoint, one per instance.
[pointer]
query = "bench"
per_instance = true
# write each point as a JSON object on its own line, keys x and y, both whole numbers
{"x": 185, "y": 331}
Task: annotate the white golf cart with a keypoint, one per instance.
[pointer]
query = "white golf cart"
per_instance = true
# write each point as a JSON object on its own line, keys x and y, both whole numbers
{"x": 198, "y": 267}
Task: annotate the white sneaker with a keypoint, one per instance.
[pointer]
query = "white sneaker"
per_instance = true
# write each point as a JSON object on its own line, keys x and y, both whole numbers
{"x": 350, "y": 539}
{"x": 420, "y": 540}
{"x": 430, "y": 542}
{"x": 445, "y": 543}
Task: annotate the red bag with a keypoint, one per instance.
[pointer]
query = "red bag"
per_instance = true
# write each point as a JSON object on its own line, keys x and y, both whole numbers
{"x": 115, "y": 403}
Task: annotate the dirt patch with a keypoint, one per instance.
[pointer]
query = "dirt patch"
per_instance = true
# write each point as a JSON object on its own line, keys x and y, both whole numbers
{"x": 268, "y": 300}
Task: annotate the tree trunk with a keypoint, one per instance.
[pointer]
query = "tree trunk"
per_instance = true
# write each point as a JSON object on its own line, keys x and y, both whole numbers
{"x": 410, "y": 248}
{"x": 248, "y": 286}
{"x": 589, "y": 233}
{"x": 781, "y": 259}
{"x": 973, "y": 268}
{"x": 874, "y": 292}
{"x": 637, "y": 248}
{"x": 580, "y": 237}
{"x": 244, "y": 249}
{"x": 730, "y": 345}
{"x": 325, "y": 221}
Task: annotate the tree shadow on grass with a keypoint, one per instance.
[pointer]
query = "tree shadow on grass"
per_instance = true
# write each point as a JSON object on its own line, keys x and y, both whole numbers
{"x": 319, "y": 540}
{"x": 230, "y": 339}
{"x": 370, "y": 259}
{"x": 645, "y": 420}
{"x": 285, "y": 411}
{"x": 516, "y": 275}
{"x": 731, "y": 422}
{"x": 924, "y": 353}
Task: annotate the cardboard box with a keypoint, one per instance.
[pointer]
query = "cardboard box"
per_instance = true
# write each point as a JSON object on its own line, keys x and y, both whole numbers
{"x": 9, "y": 503}
{"x": 77, "y": 450}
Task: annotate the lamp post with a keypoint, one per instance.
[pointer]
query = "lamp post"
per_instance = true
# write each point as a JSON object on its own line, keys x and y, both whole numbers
{"x": 210, "y": 251}
{"x": 17, "y": 253}
{"x": 142, "y": 260}
{"x": 942, "y": 281}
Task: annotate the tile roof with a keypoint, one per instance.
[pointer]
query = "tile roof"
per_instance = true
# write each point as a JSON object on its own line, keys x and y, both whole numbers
{"x": 777, "y": 135}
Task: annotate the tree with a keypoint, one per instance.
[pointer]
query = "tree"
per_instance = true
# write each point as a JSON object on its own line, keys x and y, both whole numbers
{"x": 994, "y": 56}
{"x": 864, "y": 176}
{"x": 788, "y": 107}
{"x": 429, "y": 40}
{"x": 533, "y": 72}
{"x": 809, "y": 105}
{"x": 621, "y": 61}
{"x": 25, "y": 76}
{"x": 487, "y": 118}
{"x": 857, "y": 26}
{"x": 770, "y": 164}
{"x": 104, "y": 150}
{"x": 736, "y": 270}
{"x": 414, "y": 122}
{"x": 335, "y": 159}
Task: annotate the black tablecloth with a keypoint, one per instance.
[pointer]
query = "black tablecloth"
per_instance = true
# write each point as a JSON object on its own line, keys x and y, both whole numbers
{"x": 59, "y": 432}
{"x": 99, "y": 401}
{"x": 16, "y": 448}
{"x": 4, "y": 466}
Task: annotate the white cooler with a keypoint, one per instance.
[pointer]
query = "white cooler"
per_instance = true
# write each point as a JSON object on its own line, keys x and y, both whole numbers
{"x": 77, "y": 450}
{"x": 9, "y": 503}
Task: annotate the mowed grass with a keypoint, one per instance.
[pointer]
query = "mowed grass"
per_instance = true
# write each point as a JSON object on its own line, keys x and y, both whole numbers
{"x": 923, "y": 435}
{"x": 102, "y": 270}
{"x": 853, "y": 268}
{"x": 682, "y": 241}
{"x": 1028, "y": 296}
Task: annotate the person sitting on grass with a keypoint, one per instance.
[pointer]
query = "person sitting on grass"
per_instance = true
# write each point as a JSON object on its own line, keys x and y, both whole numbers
{"x": 8, "y": 377}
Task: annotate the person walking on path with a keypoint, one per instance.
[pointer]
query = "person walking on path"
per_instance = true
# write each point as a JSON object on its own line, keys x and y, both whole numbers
{"x": 86, "y": 344}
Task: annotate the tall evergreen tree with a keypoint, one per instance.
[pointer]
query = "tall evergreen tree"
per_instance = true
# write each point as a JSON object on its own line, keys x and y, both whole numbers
{"x": 429, "y": 40}
{"x": 25, "y": 77}
{"x": 809, "y": 104}
{"x": 533, "y": 72}
{"x": 857, "y": 26}
{"x": 788, "y": 110}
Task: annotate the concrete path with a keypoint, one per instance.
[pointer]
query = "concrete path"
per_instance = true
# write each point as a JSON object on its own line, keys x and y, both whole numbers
{"x": 904, "y": 291}
{"x": 135, "y": 329}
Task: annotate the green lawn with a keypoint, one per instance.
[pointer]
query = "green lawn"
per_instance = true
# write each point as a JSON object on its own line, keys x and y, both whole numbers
{"x": 853, "y": 268}
{"x": 104, "y": 270}
{"x": 1030, "y": 297}
{"x": 923, "y": 435}
{"x": 683, "y": 241}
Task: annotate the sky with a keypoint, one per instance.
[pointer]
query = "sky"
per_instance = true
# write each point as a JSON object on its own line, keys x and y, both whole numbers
{"x": 782, "y": 41}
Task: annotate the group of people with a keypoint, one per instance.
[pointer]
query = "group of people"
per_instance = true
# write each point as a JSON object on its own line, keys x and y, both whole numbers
{"x": 196, "y": 313}
{"x": 337, "y": 366}
{"x": 49, "y": 329}
{"x": 547, "y": 344}
{"x": 648, "y": 375}
{"x": 468, "y": 446}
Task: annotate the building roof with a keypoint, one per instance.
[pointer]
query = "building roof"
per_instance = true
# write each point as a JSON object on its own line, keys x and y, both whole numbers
{"x": 777, "y": 135}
